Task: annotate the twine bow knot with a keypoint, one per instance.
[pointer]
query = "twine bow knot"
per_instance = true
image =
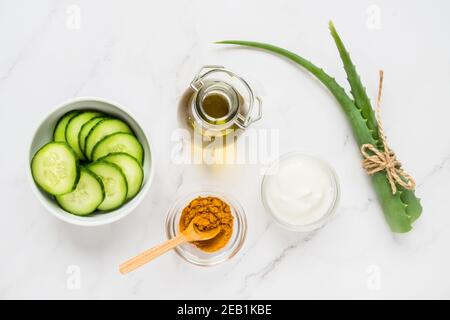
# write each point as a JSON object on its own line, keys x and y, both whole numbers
{"x": 375, "y": 160}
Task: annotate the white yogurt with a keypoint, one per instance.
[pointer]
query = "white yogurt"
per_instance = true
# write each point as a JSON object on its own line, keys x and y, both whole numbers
{"x": 300, "y": 191}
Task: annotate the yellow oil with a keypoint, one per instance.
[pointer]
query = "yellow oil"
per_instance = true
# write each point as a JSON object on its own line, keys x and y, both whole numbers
{"x": 216, "y": 106}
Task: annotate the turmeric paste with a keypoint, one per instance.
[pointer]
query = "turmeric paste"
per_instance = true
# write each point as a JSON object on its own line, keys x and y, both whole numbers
{"x": 213, "y": 213}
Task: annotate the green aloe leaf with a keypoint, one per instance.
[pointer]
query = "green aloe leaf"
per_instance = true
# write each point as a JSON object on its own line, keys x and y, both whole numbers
{"x": 361, "y": 133}
{"x": 403, "y": 208}
{"x": 358, "y": 91}
{"x": 411, "y": 203}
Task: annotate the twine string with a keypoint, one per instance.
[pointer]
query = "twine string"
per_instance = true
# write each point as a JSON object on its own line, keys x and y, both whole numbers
{"x": 376, "y": 160}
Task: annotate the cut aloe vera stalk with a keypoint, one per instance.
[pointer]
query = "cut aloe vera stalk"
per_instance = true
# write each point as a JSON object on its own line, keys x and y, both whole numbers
{"x": 403, "y": 208}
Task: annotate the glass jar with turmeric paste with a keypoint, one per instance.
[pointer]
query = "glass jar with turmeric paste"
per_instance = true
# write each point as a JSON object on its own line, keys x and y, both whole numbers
{"x": 216, "y": 209}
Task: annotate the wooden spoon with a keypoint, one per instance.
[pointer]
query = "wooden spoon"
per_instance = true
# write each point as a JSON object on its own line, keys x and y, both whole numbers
{"x": 192, "y": 233}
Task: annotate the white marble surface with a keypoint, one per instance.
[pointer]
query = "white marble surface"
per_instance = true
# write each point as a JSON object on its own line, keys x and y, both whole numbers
{"x": 143, "y": 54}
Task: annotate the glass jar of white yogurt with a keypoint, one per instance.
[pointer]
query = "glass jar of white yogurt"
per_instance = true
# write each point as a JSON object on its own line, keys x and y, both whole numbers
{"x": 300, "y": 191}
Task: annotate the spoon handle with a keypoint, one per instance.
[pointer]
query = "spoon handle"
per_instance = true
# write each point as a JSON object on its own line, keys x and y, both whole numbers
{"x": 150, "y": 254}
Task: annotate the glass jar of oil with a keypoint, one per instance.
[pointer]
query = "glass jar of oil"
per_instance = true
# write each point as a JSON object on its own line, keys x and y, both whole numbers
{"x": 221, "y": 103}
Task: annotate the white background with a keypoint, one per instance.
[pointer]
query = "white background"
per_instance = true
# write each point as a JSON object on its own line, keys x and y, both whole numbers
{"x": 143, "y": 54}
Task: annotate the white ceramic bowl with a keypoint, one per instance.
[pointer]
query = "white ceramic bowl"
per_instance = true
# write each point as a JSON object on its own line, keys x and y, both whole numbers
{"x": 43, "y": 135}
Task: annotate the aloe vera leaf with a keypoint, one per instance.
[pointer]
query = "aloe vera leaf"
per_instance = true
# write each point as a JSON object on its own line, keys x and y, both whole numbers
{"x": 394, "y": 209}
{"x": 358, "y": 91}
{"x": 400, "y": 210}
{"x": 413, "y": 207}
{"x": 360, "y": 130}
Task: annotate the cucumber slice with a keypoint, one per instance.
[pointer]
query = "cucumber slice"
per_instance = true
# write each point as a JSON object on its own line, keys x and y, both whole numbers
{"x": 114, "y": 182}
{"x": 73, "y": 129}
{"x": 119, "y": 142}
{"x": 101, "y": 130}
{"x": 55, "y": 168}
{"x": 85, "y": 129}
{"x": 131, "y": 169}
{"x": 59, "y": 134}
{"x": 86, "y": 197}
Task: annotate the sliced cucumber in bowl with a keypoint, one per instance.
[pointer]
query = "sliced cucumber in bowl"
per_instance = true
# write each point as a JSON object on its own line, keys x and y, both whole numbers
{"x": 86, "y": 197}
{"x": 101, "y": 130}
{"x": 85, "y": 129}
{"x": 73, "y": 129}
{"x": 80, "y": 185}
{"x": 59, "y": 133}
{"x": 55, "y": 168}
{"x": 119, "y": 142}
{"x": 131, "y": 168}
{"x": 114, "y": 182}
